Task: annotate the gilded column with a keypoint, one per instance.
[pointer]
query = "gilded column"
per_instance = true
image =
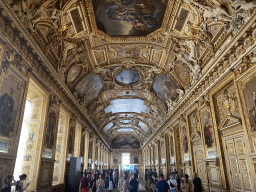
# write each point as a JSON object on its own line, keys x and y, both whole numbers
{"x": 99, "y": 154}
{"x": 152, "y": 156}
{"x": 102, "y": 156}
{"x": 86, "y": 149}
{"x": 107, "y": 159}
{"x": 93, "y": 150}
{"x": 78, "y": 132}
{"x": 156, "y": 156}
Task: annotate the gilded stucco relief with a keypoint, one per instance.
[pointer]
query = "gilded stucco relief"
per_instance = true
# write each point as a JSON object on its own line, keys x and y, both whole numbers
{"x": 196, "y": 45}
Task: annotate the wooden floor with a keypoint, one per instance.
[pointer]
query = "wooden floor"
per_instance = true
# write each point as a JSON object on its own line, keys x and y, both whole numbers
{"x": 141, "y": 188}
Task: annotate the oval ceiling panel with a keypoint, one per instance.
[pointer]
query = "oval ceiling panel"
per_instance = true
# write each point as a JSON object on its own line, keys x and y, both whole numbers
{"x": 128, "y": 77}
{"x": 73, "y": 73}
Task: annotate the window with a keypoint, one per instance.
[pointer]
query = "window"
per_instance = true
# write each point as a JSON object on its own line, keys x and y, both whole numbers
{"x": 125, "y": 158}
{"x": 23, "y": 140}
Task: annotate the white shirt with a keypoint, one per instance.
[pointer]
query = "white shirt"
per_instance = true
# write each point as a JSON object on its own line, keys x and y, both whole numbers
{"x": 174, "y": 182}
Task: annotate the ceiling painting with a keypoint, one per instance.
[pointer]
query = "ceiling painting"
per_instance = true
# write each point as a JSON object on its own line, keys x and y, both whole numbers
{"x": 125, "y": 130}
{"x": 108, "y": 126}
{"x": 128, "y": 77}
{"x": 126, "y": 121}
{"x": 89, "y": 88}
{"x": 127, "y": 105}
{"x": 165, "y": 87}
{"x": 134, "y": 56}
{"x": 144, "y": 127}
{"x": 125, "y": 142}
{"x": 129, "y": 17}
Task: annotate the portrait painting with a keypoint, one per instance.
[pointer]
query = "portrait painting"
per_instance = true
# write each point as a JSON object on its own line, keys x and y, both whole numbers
{"x": 71, "y": 137}
{"x": 136, "y": 160}
{"x": 52, "y": 125}
{"x": 90, "y": 150}
{"x": 208, "y": 130}
{"x": 185, "y": 139}
{"x": 115, "y": 161}
{"x": 250, "y": 99}
{"x": 82, "y": 146}
{"x": 172, "y": 147}
{"x": 10, "y": 95}
{"x": 165, "y": 87}
{"x": 129, "y": 17}
{"x": 125, "y": 142}
{"x": 89, "y": 88}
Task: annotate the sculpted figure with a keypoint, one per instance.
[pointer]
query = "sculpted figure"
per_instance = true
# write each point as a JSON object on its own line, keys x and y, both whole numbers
{"x": 239, "y": 5}
{"x": 227, "y": 101}
{"x": 191, "y": 44}
{"x": 67, "y": 46}
{"x": 181, "y": 93}
{"x": 213, "y": 13}
{"x": 52, "y": 15}
{"x": 196, "y": 71}
{"x": 171, "y": 104}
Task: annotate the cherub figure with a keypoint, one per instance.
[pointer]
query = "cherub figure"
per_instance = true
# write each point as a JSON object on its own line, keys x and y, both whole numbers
{"x": 192, "y": 45}
{"x": 196, "y": 71}
{"x": 181, "y": 93}
{"x": 213, "y": 13}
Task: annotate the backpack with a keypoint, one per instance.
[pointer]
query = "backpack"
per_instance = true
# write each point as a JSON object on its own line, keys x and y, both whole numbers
{"x": 18, "y": 187}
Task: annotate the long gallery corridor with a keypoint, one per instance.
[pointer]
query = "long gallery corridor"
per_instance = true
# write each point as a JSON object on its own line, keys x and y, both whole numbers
{"x": 132, "y": 92}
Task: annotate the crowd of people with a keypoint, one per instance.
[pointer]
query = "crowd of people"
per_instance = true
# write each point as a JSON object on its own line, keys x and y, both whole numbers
{"x": 19, "y": 185}
{"x": 174, "y": 184}
{"x": 108, "y": 180}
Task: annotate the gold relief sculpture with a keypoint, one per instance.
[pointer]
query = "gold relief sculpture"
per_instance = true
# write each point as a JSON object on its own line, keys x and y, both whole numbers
{"x": 246, "y": 175}
{"x": 234, "y": 171}
{"x": 210, "y": 36}
{"x": 227, "y": 101}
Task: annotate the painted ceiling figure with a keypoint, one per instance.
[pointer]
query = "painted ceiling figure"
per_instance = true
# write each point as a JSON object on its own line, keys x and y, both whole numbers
{"x": 130, "y": 17}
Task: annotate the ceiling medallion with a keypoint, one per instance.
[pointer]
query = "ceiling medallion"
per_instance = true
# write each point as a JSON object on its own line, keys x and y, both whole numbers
{"x": 127, "y": 77}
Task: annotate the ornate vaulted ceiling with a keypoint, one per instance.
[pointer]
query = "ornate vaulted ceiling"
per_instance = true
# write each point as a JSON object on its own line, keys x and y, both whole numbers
{"x": 129, "y": 62}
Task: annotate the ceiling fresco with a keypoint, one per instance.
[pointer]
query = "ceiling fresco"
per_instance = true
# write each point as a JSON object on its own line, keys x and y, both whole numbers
{"x": 125, "y": 142}
{"x": 108, "y": 126}
{"x": 127, "y": 105}
{"x": 128, "y": 63}
{"x": 89, "y": 88}
{"x": 165, "y": 87}
{"x": 144, "y": 127}
{"x": 125, "y": 130}
{"x": 128, "y": 17}
{"x": 128, "y": 77}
